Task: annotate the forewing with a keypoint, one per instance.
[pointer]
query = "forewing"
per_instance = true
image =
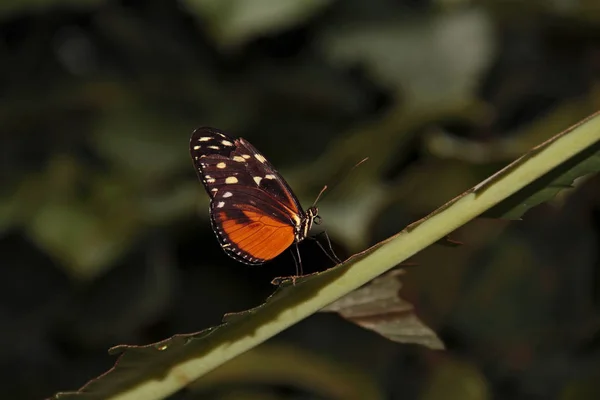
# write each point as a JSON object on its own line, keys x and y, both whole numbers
{"x": 212, "y": 152}
{"x": 268, "y": 179}
{"x": 224, "y": 162}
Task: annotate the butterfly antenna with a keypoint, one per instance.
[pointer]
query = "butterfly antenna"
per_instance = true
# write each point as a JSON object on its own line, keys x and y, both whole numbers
{"x": 319, "y": 195}
{"x": 339, "y": 180}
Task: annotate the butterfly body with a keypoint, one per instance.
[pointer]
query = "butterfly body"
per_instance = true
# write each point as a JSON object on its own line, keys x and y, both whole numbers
{"x": 253, "y": 211}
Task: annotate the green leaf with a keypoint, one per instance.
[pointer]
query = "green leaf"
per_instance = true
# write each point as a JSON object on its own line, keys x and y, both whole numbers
{"x": 451, "y": 379}
{"x": 233, "y": 22}
{"x": 561, "y": 177}
{"x": 158, "y": 370}
{"x": 85, "y": 230}
{"x": 297, "y": 367}
{"x": 431, "y": 59}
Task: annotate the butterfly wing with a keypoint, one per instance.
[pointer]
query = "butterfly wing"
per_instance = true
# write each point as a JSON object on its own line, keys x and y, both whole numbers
{"x": 251, "y": 229}
{"x": 254, "y": 213}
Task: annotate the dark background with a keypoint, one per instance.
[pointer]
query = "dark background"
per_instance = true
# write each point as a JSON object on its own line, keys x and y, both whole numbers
{"x": 104, "y": 231}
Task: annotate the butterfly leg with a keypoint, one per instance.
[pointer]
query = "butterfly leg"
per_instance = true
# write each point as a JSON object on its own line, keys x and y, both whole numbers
{"x": 299, "y": 264}
{"x": 337, "y": 259}
{"x": 331, "y": 254}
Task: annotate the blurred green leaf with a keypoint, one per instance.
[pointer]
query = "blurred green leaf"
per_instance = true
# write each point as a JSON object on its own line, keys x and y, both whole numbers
{"x": 82, "y": 219}
{"x": 87, "y": 234}
{"x": 185, "y": 199}
{"x": 234, "y": 22}
{"x": 455, "y": 380}
{"x": 141, "y": 142}
{"x": 295, "y": 367}
{"x": 430, "y": 60}
{"x": 78, "y": 237}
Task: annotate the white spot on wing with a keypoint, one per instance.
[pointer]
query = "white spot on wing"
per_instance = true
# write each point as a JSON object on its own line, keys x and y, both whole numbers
{"x": 238, "y": 159}
{"x": 227, "y": 194}
{"x": 220, "y": 204}
{"x": 257, "y": 179}
{"x": 226, "y": 143}
{"x": 260, "y": 158}
{"x": 214, "y": 147}
{"x": 221, "y": 165}
{"x": 270, "y": 176}
{"x": 245, "y": 156}
{"x": 205, "y": 139}
{"x": 231, "y": 179}
{"x": 196, "y": 147}
{"x": 210, "y": 180}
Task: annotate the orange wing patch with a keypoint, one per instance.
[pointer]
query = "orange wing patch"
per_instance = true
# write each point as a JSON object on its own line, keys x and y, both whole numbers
{"x": 263, "y": 238}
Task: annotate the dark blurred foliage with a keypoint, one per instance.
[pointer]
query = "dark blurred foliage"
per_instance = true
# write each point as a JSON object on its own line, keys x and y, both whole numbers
{"x": 104, "y": 236}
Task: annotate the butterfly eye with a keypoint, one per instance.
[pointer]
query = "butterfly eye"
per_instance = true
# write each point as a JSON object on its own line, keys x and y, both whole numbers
{"x": 317, "y": 220}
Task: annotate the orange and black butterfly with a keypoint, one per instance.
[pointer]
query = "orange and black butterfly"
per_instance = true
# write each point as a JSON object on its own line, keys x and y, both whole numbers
{"x": 253, "y": 211}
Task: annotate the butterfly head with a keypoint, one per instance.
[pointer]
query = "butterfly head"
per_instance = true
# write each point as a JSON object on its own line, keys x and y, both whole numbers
{"x": 313, "y": 214}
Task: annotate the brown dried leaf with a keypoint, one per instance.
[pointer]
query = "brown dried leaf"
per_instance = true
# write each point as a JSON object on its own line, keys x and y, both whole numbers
{"x": 378, "y": 306}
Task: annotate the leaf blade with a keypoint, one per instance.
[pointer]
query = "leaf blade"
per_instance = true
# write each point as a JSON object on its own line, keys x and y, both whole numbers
{"x": 192, "y": 356}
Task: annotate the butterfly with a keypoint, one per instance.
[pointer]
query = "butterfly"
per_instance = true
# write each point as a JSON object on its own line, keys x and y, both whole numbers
{"x": 253, "y": 211}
